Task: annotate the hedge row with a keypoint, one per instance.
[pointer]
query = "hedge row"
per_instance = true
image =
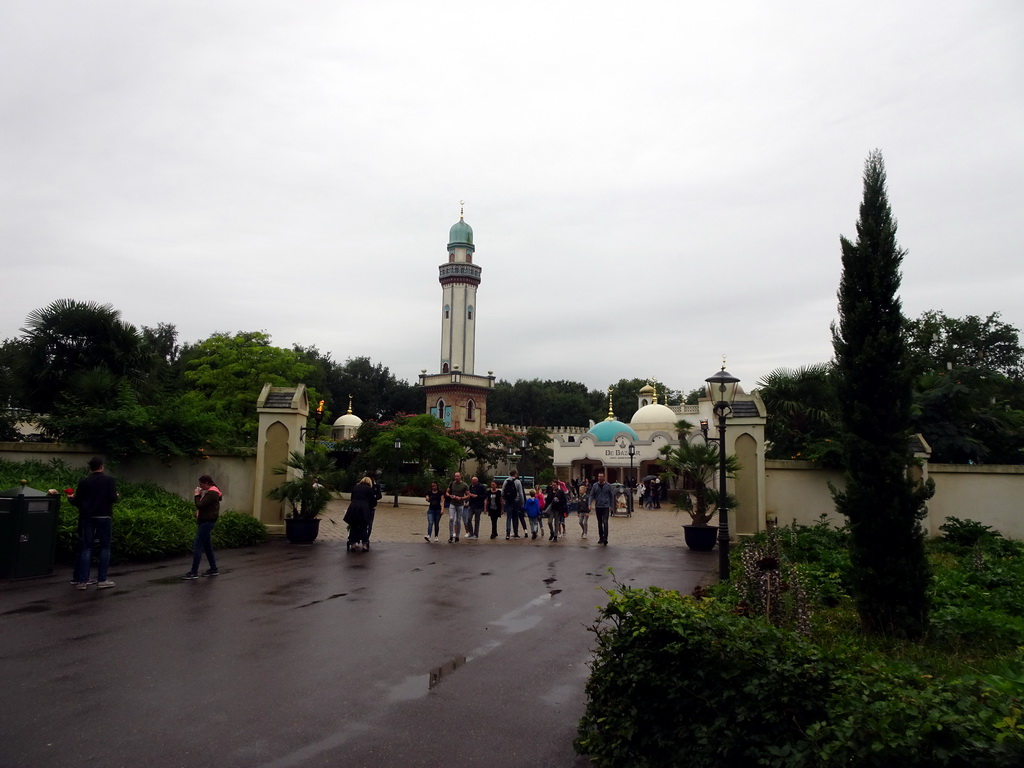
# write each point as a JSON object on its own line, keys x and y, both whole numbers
{"x": 149, "y": 522}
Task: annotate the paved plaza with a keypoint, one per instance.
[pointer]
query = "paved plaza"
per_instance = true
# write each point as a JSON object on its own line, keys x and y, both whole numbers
{"x": 302, "y": 656}
{"x": 408, "y": 522}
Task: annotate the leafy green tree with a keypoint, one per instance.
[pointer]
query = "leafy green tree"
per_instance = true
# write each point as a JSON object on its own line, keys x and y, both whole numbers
{"x": 882, "y": 503}
{"x": 537, "y": 455}
{"x": 425, "y": 442}
{"x": 376, "y": 392}
{"x": 227, "y": 373}
{"x": 939, "y": 342}
{"x": 969, "y": 395}
{"x": 489, "y": 447}
{"x": 123, "y": 426}
{"x": 544, "y": 403}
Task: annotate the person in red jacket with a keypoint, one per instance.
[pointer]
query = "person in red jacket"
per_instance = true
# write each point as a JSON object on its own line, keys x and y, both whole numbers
{"x": 207, "y": 500}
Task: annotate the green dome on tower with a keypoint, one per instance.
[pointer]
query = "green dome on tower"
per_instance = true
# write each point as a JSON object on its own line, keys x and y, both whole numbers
{"x": 461, "y": 232}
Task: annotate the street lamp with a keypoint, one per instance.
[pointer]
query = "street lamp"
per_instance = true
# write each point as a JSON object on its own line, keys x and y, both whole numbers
{"x": 630, "y": 484}
{"x": 723, "y": 386}
{"x": 398, "y": 466}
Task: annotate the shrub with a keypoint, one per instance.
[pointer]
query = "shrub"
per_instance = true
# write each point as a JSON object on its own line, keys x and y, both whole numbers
{"x": 149, "y": 522}
{"x": 679, "y": 681}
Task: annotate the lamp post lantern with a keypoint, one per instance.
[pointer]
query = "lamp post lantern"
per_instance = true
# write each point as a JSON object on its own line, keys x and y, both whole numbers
{"x": 398, "y": 466}
{"x": 723, "y": 386}
{"x": 631, "y": 484}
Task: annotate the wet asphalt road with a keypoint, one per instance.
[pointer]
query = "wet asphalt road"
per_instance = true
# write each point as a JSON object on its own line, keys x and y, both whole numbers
{"x": 302, "y": 656}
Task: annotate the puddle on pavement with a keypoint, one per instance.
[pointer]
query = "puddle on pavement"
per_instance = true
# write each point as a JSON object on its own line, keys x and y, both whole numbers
{"x": 417, "y": 686}
{"x": 439, "y": 673}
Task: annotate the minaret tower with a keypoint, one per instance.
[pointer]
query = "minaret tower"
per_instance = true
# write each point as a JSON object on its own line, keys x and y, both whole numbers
{"x": 456, "y": 395}
{"x": 459, "y": 278}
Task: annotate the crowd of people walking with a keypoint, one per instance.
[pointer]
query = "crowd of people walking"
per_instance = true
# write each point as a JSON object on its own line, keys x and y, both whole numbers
{"x": 526, "y": 511}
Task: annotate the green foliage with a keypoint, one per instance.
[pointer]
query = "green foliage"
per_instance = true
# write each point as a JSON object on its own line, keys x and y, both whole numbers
{"x": 802, "y": 411}
{"x": 873, "y": 387}
{"x": 307, "y": 491}
{"x": 679, "y": 681}
{"x": 544, "y": 403}
{"x": 425, "y": 443}
{"x": 488, "y": 447}
{"x": 227, "y": 373}
{"x": 123, "y": 426}
{"x": 967, "y": 533}
{"x": 375, "y": 392}
{"x": 79, "y": 347}
{"x": 699, "y": 462}
{"x": 149, "y": 522}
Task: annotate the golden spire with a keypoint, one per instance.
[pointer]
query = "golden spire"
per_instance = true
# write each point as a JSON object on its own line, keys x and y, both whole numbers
{"x": 611, "y": 413}
{"x": 655, "y": 388}
{"x": 350, "y": 403}
{"x": 462, "y": 209}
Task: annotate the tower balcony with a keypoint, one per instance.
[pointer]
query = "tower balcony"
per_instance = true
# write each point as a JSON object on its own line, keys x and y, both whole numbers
{"x": 459, "y": 273}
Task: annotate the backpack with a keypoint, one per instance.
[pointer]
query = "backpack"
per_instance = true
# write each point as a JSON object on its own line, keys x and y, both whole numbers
{"x": 508, "y": 490}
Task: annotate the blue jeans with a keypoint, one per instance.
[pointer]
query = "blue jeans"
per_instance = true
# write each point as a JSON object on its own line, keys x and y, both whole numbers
{"x": 433, "y": 522}
{"x": 203, "y": 544}
{"x": 512, "y": 513}
{"x": 95, "y": 528}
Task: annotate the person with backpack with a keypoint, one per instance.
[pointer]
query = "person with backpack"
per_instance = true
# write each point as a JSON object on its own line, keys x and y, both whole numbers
{"x": 513, "y": 500}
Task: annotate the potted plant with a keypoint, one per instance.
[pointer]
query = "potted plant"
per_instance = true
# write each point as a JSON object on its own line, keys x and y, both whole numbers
{"x": 699, "y": 462}
{"x": 306, "y": 492}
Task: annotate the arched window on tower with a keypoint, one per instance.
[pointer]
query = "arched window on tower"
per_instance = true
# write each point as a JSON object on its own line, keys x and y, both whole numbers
{"x": 440, "y": 408}
{"x": 447, "y": 311}
{"x": 470, "y": 411}
{"x": 469, "y": 313}
{"x": 451, "y": 256}
{"x": 444, "y": 368}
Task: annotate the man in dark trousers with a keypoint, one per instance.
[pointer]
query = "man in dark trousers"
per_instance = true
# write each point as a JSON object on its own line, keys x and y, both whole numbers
{"x": 477, "y": 497}
{"x": 602, "y": 500}
{"x": 95, "y": 497}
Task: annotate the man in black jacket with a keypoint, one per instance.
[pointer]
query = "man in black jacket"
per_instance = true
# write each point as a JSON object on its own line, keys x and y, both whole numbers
{"x": 95, "y": 497}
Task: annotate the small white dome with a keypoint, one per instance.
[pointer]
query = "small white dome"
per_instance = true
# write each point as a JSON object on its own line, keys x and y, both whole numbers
{"x": 348, "y": 420}
{"x": 655, "y": 413}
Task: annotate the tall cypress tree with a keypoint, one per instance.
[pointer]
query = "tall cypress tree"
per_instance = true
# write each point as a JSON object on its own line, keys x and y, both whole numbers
{"x": 881, "y": 502}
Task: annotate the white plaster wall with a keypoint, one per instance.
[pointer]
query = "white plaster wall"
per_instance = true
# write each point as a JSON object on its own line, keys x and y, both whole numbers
{"x": 992, "y": 495}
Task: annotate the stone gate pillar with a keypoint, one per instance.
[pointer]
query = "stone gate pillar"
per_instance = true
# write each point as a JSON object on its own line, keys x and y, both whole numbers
{"x": 283, "y": 412}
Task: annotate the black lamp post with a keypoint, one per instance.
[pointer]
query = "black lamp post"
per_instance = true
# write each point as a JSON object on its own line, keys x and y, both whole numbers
{"x": 630, "y": 483}
{"x": 725, "y": 384}
{"x": 398, "y": 466}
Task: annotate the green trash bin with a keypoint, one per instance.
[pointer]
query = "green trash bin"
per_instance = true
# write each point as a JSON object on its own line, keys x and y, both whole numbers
{"x": 28, "y": 532}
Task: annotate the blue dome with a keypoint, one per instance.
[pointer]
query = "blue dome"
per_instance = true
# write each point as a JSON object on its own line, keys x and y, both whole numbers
{"x": 606, "y": 431}
{"x": 460, "y": 232}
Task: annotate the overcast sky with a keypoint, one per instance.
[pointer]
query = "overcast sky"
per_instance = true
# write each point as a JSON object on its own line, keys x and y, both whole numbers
{"x": 651, "y": 184}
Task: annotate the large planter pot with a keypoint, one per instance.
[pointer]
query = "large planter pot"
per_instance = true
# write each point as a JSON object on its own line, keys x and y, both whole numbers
{"x": 700, "y": 538}
{"x": 300, "y": 530}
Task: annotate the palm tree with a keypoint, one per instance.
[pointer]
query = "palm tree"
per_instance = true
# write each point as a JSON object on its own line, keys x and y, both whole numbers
{"x": 699, "y": 461}
{"x": 802, "y": 407}
{"x": 71, "y": 345}
{"x": 307, "y": 492}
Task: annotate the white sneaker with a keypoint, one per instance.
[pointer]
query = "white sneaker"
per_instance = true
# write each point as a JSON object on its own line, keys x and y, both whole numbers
{"x": 105, "y": 584}
{"x": 435, "y": 539}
